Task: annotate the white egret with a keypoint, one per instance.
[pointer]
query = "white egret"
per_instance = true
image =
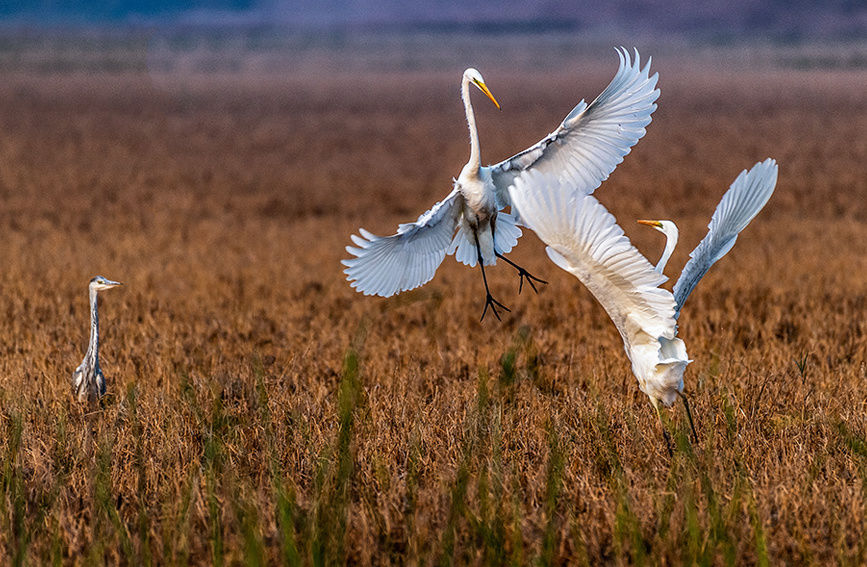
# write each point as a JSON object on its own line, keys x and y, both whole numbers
{"x": 584, "y": 239}
{"x": 88, "y": 382}
{"x": 470, "y": 222}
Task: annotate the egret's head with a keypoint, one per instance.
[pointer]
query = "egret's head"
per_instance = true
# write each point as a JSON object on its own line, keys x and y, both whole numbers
{"x": 476, "y": 78}
{"x": 100, "y": 283}
{"x": 666, "y": 227}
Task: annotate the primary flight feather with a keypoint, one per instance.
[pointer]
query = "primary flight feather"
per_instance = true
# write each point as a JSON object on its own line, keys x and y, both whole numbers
{"x": 740, "y": 204}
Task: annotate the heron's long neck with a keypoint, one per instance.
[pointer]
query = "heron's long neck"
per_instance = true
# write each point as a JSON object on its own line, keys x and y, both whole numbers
{"x": 670, "y": 243}
{"x": 475, "y": 151}
{"x": 93, "y": 346}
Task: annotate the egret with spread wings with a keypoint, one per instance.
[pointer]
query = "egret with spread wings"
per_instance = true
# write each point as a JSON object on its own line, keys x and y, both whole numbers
{"x": 471, "y": 222}
{"x": 584, "y": 239}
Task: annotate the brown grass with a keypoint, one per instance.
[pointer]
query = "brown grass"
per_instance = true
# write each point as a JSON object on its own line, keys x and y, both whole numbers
{"x": 260, "y": 410}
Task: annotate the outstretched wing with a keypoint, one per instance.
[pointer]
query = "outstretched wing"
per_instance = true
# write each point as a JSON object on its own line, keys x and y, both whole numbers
{"x": 391, "y": 264}
{"x": 584, "y": 239}
{"x": 592, "y": 139}
{"x": 743, "y": 201}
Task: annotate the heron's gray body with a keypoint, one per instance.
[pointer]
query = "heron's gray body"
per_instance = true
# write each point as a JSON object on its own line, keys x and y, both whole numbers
{"x": 88, "y": 381}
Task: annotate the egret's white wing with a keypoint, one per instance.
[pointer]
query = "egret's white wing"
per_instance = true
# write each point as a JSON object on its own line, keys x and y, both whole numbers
{"x": 743, "y": 201}
{"x": 592, "y": 139}
{"x": 584, "y": 239}
{"x": 391, "y": 264}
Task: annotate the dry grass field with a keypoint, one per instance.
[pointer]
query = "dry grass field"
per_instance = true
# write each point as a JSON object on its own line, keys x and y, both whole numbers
{"x": 260, "y": 411}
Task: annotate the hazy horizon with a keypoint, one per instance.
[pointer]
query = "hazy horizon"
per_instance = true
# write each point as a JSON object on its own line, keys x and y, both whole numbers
{"x": 775, "y": 20}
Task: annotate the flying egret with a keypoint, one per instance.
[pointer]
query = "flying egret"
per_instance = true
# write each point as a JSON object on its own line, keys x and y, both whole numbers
{"x": 584, "y": 239}
{"x": 470, "y": 222}
{"x": 88, "y": 382}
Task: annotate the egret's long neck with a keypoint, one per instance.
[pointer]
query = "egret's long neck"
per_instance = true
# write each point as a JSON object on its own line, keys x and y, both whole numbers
{"x": 475, "y": 151}
{"x": 670, "y": 243}
{"x": 93, "y": 346}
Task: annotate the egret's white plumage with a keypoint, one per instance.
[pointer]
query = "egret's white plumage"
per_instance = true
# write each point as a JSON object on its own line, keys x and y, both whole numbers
{"x": 593, "y": 139}
{"x": 584, "y": 239}
{"x": 741, "y": 203}
{"x": 470, "y": 222}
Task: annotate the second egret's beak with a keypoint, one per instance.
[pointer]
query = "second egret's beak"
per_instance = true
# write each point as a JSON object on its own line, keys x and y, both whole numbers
{"x": 484, "y": 88}
{"x": 653, "y": 223}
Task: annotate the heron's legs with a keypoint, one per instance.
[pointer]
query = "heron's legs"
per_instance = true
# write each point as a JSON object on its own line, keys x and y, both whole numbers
{"x": 689, "y": 416}
{"x": 489, "y": 300}
{"x": 665, "y": 435}
{"x": 522, "y": 273}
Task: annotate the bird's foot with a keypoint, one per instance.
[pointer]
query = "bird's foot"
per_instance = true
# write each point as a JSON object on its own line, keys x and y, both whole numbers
{"x": 493, "y": 304}
{"x": 522, "y": 273}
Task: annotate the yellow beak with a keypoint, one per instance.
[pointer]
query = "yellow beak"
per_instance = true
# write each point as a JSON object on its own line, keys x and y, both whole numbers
{"x": 653, "y": 223}
{"x": 484, "y": 88}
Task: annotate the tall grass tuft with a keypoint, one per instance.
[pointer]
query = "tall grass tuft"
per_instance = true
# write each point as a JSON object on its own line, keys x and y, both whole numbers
{"x": 553, "y": 486}
{"x": 511, "y": 369}
{"x": 105, "y": 504}
{"x": 856, "y": 445}
{"x": 759, "y": 541}
{"x": 212, "y": 455}
{"x": 143, "y": 521}
{"x": 332, "y": 500}
{"x": 14, "y": 502}
{"x": 286, "y": 510}
{"x": 251, "y": 534}
{"x": 457, "y": 509}
{"x": 483, "y": 522}
{"x": 628, "y": 538}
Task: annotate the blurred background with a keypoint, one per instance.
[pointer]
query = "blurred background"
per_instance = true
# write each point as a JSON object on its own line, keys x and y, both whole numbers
{"x": 299, "y": 35}
{"x": 215, "y": 156}
{"x": 780, "y": 20}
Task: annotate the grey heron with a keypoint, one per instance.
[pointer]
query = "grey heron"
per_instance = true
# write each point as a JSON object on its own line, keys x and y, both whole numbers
{"x": 88, "y": 382}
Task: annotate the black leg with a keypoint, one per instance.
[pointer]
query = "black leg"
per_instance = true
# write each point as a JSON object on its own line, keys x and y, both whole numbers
{"x": 489, "y": 300}
{"x": 689, "y": 416}
{"x": 522, "y": 273}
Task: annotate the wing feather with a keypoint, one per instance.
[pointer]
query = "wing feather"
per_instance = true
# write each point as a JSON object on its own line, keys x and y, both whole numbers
{"x": 584, "y": 239}
{"x": 593, "y": 139}
{"x": 388, "y": 265}
{"x": 740, "y": 204}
